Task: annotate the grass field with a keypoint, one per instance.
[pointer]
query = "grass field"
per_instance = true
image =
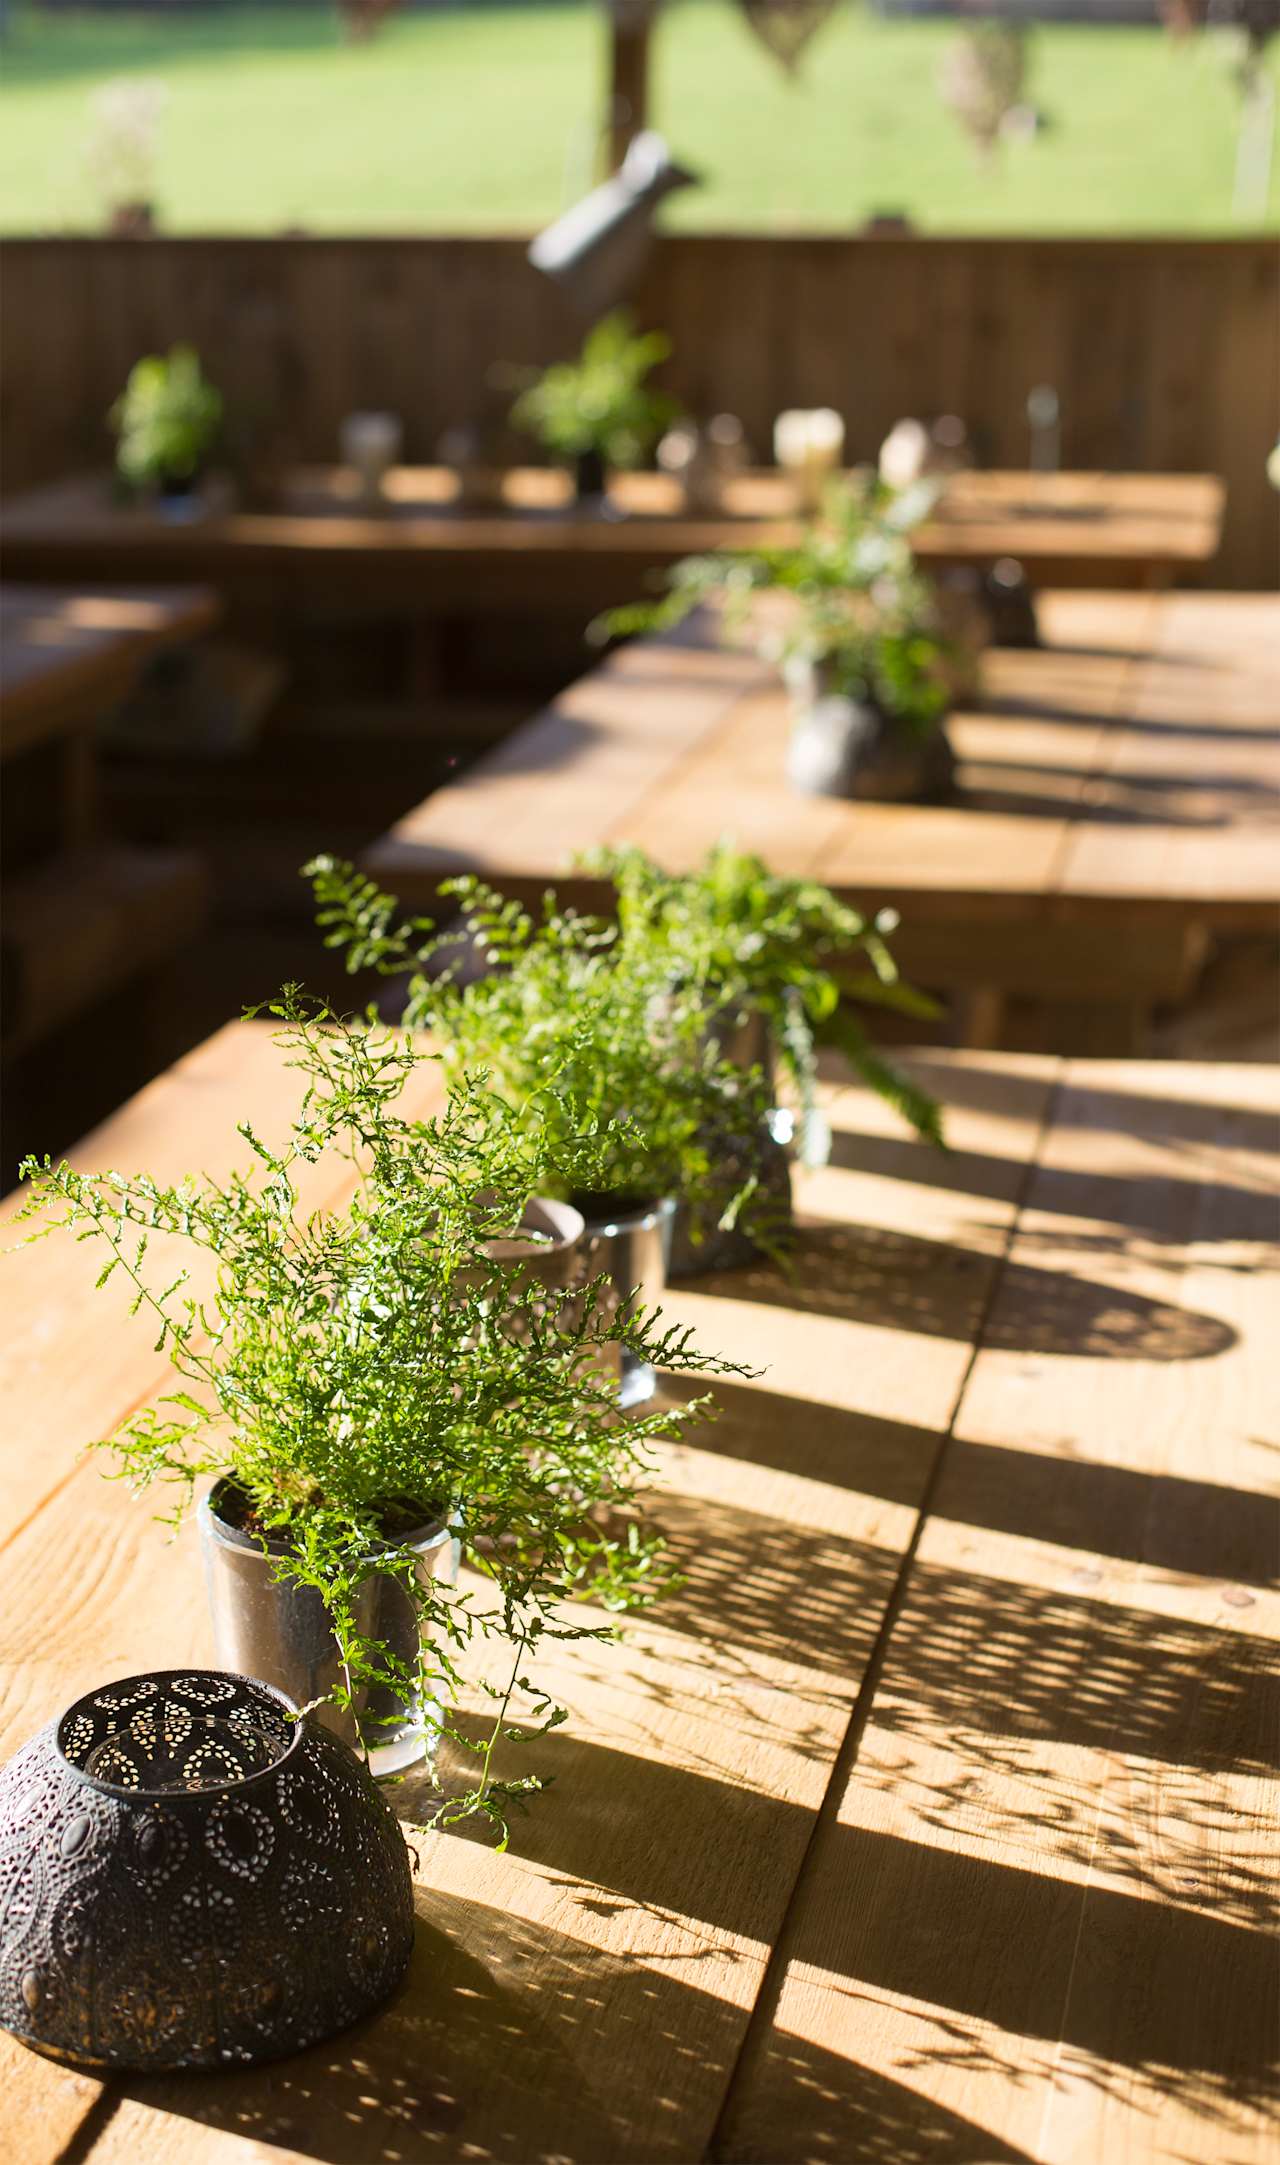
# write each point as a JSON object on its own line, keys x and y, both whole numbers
{"x": 482, "y": 119}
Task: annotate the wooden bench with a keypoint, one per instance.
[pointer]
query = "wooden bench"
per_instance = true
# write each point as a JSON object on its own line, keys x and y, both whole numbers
{"x": 931, "y": 1817}
{"x": 82, "y": 914}
{"x": 1118, "y": 802}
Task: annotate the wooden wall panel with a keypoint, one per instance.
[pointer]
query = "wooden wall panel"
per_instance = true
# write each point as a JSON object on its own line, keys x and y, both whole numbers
{"x": 1166, "y": 354}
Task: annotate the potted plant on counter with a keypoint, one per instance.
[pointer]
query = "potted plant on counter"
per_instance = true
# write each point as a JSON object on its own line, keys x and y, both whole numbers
{"x": 868, "y": 693}
{"x": 780, "y": 965}
{"x": 598, "y": 412}
{"x": 578, "y": 1021}
{"x": 373, "y": 1390}
{"x": 856, "y": 631}
{"x": 166, "y": 423}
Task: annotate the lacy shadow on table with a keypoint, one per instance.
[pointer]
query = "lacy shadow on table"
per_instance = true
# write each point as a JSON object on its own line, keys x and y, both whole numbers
{"x": 1168, "y": 1521}
{"x": 1028, "y": 1977}
{"x": 508, "y": 2042}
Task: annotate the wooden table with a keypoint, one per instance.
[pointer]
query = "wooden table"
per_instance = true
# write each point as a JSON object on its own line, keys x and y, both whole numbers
{"x": 82, "y": 913}
{"x": 422, "y": 553}
{"x": 1119, "y": 798}
{"x": 67, "y": 657}
{"x": 931, "y": 1819}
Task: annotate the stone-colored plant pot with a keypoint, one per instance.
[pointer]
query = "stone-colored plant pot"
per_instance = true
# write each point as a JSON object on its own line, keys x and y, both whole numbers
{"x": 965, "y": 623}
{"x": 270, "y": 1628}
{"x": 843, "y": 747}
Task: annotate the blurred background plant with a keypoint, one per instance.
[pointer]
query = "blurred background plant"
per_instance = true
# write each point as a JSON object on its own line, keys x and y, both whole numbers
{"x": 121, "y": 150}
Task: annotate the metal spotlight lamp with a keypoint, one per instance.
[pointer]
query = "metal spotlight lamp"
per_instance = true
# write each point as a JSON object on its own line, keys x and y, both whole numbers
{"x": 596, "y": 251}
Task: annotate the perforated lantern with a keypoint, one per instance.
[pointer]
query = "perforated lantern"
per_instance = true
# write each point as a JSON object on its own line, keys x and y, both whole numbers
{"x": 191, "y": 1877}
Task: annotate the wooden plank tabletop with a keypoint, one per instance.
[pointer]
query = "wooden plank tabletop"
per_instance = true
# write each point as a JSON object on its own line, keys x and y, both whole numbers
{"x": 67, "y": 657}
{"x": 1074, "y": 528}
{"x": 929, "y": 1818}
{"x": 1128, "y": 769}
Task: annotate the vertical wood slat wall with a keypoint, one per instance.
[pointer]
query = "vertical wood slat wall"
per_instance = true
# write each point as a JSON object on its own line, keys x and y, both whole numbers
{"x": 1165, "y": 354}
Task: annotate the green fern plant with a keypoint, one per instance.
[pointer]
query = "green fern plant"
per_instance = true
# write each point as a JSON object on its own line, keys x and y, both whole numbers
{"x": 755, "y": 942}
{"x": 633, "y": 1012}
{"x": 601, "y": 402}
{"x": 356, "y": 1370}
{"x": 166, "y": 420}
{"x": 580, "y": 1023}
{"x": 857, "y": 607}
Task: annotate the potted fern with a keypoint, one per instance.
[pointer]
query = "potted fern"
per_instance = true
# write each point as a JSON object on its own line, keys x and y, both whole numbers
{"x": 166, "y": 422}
{"x": 372, "y": 1393}
{"x": 856, "y": 631}
{"x": 781, "y": 962}
{"x": 578, "y": 1021}
{"x": 599, "y": 412}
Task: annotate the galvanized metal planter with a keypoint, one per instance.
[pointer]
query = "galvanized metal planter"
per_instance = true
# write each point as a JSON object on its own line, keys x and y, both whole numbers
{"x": 631, "y": 1244}
{"x": 189, "y": 1877}
{"x": 268, "y": 1627}
{"x": 766, "y": 1154}
{"x": 546, "y": 1247}
{"x": 746, "y": 1040}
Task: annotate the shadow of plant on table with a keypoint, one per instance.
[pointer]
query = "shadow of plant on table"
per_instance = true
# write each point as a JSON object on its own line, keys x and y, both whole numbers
{"x": 1027, "y": 1976}
{"x": 898, "y": 1281}
{"x": 504, "y": 2026}
{"x": 1206, "y": 1132}
{"x": 1162, "y": 1211}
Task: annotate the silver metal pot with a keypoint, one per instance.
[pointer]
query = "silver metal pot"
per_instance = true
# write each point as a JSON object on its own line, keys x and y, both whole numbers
{"x": 765, "y": 1154}
{"x": 269, "y": 1628}
{"x": 632, "y": 1245}
{"x": 546, "y": 1246}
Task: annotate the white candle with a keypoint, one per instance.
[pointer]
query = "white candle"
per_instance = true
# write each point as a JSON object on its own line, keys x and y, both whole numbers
{"x": 808, "y": 443}
{"x": 904, "y": 454}
{"x": 371, "y": 445}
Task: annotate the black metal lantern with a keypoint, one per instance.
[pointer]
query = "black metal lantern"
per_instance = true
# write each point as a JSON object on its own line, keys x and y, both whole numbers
{"x": 192, "y": 1877}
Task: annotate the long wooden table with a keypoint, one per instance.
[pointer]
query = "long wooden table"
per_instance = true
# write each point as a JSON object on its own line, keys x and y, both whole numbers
{"x": 66, "y": 657}
{"x": 931, "y": 1818}
{"x": 82, "y": 913}
{"x": 423, "y": 553}
{"x": 1119, "y": 798}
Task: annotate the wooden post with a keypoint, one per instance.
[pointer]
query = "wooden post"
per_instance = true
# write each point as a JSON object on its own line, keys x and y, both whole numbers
{"x": 630, "y": 25}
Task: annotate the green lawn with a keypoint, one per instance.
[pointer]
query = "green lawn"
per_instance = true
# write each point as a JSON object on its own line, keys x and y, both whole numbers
{"x": 482, "y": 120}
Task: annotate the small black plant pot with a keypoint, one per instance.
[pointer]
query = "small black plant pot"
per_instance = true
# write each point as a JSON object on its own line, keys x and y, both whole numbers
{"x": 590, "y": 477}
{"x": 1011, "y": 604}
{"x": 194, "y": 1878}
